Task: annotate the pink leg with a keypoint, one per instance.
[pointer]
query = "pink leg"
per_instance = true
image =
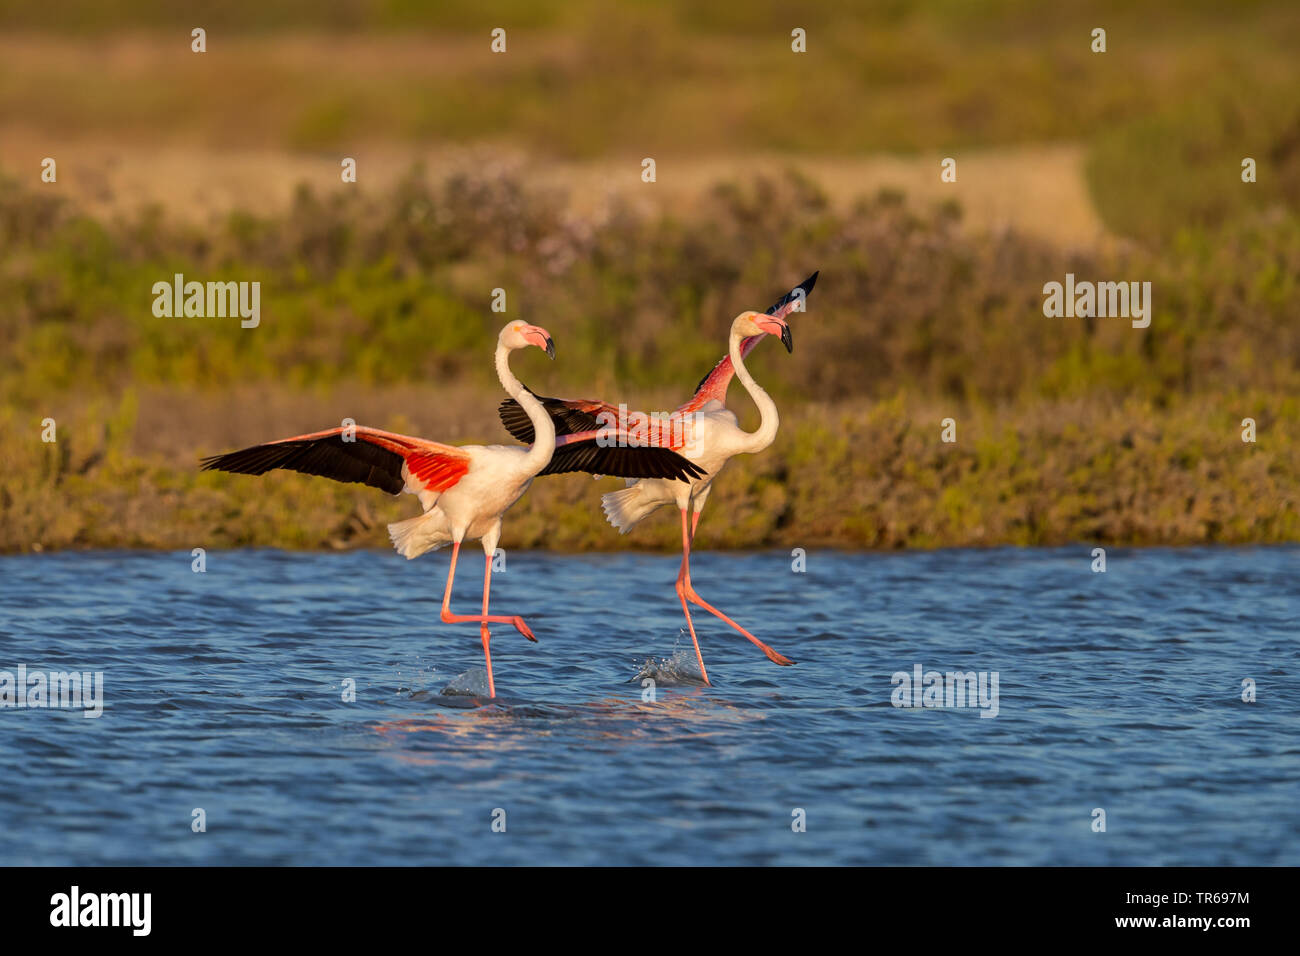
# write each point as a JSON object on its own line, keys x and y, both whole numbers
{"x": 483, "y": 618}
{"x": 684, "y": 587}
{"x": 451, "y": 618}
{"x": 684, "y": 576}
{"x": 483, "y": 630}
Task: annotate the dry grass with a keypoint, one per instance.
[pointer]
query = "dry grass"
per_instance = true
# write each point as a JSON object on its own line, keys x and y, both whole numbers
{"x": 1038, "y": 190}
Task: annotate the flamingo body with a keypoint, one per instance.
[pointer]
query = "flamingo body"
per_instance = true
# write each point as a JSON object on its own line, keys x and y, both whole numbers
{"x": 711, "y": 437}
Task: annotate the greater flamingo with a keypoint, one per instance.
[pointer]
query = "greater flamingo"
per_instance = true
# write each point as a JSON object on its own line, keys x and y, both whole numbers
{"x": 709, "y": 437}
{"x": 465, "y": 489}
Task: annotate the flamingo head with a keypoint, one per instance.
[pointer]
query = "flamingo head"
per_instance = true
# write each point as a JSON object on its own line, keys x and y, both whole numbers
{"x": 520, "y": 335}
{"x": 760, "y": 323}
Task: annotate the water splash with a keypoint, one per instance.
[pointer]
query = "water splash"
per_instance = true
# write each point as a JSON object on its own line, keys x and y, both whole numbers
{"x": 674, "y": 671}
{"x": 472, "y": 683}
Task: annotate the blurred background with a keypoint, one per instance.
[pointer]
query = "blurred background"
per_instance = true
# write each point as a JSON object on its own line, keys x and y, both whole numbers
{"x": 522, "y": 171}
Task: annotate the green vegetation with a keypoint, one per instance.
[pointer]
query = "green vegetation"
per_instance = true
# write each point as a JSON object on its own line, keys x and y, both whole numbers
{"x": 1068, "y": 429}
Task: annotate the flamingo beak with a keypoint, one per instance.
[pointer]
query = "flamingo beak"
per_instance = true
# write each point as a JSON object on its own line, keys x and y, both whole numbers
{"x": 775, "y": 326}
{"x": 542, "y": 339}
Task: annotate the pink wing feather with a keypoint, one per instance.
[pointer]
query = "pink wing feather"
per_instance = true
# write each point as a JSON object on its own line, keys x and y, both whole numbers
{"x": 354, "y": 454}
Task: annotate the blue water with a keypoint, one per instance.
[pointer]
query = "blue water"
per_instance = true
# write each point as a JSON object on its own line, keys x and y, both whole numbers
{"x": 223, "y": 691}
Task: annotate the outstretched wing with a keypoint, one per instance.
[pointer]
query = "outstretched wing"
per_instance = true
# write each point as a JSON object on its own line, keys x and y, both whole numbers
{"x": 619, "y": 455}
{"x": 357, "y": 454}
{"x": 569, "y": 415}
{"x": 714, "y": 385}
{"x": 585, "y": 442}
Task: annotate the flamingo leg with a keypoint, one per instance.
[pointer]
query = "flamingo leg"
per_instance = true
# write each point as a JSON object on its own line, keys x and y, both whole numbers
{"x": 451, "y": 618}
{"x": 483, "y": 618}
{"x": 483, "y": 629}
{"x": 685, "y": 589}
{"x": 683, "y": 581}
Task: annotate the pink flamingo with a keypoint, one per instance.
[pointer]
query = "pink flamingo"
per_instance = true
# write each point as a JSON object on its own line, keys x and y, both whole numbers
{"x": 464, "y": 490}
{"x": 711, "y": 437}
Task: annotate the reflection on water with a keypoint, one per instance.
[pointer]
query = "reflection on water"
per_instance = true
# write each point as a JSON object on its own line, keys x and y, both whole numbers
{"x": 475, "y": 723}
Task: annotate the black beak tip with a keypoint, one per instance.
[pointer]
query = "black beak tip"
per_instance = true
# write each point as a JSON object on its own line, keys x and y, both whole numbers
{"x": 550, "y": 348}
{"x": 787, "y": 339}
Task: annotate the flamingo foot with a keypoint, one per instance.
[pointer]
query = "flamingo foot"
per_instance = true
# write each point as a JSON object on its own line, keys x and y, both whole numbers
{"x": 772, "y": 655}
{"x": 524, "y": 629}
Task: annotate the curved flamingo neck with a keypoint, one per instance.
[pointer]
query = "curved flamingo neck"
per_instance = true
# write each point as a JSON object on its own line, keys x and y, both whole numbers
{"x": 539, "y": 455}
{"x": 769, "y": 421}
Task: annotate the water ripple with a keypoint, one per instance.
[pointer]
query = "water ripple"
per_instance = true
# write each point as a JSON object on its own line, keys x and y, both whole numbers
{"x": 317, "y": 711}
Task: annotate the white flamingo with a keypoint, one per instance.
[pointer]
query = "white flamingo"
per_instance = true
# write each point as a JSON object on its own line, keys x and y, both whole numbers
{"x": 711, "y": 437}
{"x": 464, "y": 490}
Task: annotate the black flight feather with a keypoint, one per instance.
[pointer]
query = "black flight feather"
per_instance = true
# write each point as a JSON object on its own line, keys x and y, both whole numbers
{"x": 353, "y": 461}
